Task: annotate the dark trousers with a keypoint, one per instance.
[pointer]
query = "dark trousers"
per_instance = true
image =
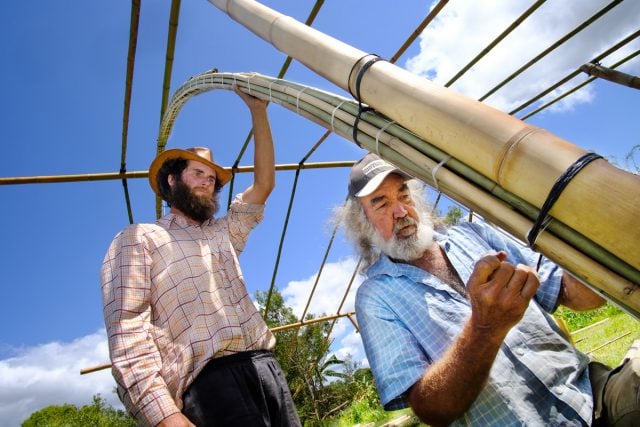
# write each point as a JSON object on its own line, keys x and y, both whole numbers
{"x": 616, "y": 393}
{"x": 244, "y": 389}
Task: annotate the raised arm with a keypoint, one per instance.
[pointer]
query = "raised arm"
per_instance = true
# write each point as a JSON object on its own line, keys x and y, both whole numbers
{"x": 499, "y": 294}
{"x": 264, "y": 162}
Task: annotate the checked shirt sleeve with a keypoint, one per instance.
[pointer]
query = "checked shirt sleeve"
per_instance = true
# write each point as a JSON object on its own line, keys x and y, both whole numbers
{"x": 126, "y": 294}
{"x": 394, "y": 354}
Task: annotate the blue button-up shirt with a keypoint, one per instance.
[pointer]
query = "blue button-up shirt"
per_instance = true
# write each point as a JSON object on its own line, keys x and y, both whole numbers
{"x": 409, "y": 318}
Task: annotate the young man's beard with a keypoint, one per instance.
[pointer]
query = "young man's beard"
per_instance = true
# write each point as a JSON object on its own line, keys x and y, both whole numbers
{"x": 411, "y": 247}
{"x": 199, "y": 207}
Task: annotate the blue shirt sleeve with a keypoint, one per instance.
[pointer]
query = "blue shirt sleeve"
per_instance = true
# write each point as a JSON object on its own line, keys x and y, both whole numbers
{"x": 549, "y": 273}
{"x": 395, "y": 356}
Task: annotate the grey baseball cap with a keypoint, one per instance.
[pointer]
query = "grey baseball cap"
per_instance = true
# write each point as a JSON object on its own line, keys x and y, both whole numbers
{"x": 368, "y": 173}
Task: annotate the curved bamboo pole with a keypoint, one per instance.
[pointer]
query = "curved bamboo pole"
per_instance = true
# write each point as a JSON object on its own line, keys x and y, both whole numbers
{"x": 523, "y": 159}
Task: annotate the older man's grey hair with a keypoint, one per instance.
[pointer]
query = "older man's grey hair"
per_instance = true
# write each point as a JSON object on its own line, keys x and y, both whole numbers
{"x": 359, "y": 230}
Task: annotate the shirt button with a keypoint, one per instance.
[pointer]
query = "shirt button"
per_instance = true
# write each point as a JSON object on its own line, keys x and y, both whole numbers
{"x": 520, "y": 351}
{"x": 558, "y": 390}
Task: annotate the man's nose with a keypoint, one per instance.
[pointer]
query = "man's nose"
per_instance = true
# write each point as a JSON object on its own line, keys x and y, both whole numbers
{"x": 399, "y": 211}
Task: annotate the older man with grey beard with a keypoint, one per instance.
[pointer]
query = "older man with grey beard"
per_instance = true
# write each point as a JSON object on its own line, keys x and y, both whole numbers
{"x": 455, "y": 321}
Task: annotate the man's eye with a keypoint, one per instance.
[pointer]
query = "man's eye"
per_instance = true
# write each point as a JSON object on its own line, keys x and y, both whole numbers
{"x": 380, "y": 206}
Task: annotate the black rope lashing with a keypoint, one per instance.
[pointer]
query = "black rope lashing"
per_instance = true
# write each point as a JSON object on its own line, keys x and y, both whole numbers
{"x": 560, "y": 184}
{"x": 375, "y": 58}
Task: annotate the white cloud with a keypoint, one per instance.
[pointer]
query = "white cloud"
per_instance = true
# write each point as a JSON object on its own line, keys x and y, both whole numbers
{"x": 329, "y": 291}
{"x": 49, "y": 374}
{"x": 463, "y": 29}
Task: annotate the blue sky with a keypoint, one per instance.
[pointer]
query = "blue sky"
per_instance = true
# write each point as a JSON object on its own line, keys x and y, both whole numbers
{"x": 63, "y": 73}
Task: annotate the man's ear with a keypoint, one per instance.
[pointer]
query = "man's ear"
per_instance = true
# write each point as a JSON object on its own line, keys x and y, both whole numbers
{"x": 171, "y": 180}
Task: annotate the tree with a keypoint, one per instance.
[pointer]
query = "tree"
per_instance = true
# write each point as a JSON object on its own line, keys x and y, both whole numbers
{"x": 303, "y": 354}
{"x": 97, "y": 414}
{"x": 632, "y": 164}
{"x": 454, "y": 214}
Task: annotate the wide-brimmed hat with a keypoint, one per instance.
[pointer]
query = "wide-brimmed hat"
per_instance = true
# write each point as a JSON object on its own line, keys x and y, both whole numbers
{"x": 368, "y": 173}
{"x": 198, "y": 154}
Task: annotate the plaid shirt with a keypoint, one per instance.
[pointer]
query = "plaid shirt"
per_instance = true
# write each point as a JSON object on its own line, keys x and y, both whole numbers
{"x": 408, "y": 318}
{"x": 174, "y": 298}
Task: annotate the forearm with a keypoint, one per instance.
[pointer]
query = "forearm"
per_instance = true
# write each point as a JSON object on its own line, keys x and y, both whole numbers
{"x": 264, "y": 161}
{"x": 577, "y": 296}
{"x": 136, "y": 368}
{"x": 452, "y": 383}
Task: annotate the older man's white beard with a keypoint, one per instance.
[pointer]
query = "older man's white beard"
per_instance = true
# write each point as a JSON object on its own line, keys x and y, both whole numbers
{"x": 411, "y": 247}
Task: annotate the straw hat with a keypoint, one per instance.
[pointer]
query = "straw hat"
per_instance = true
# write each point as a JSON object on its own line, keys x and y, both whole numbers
{"x": 198, "y": 154}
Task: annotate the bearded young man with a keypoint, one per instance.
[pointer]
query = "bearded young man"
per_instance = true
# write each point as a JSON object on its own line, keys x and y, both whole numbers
{"x": 454, "y": 322}
{"x": 187, "y": 345}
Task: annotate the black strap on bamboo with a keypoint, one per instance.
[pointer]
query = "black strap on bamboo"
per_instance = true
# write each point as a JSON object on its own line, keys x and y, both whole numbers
{"x": 560, "y": 184}
{"x": 375, "y": 58}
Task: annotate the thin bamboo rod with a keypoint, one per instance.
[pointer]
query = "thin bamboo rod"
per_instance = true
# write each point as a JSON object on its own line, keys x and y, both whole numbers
{"x": 275, "y": 329}
{"x": 577, "y": 87}
{"x": 419, "y": 29}
{"x": 54, "y": 179}
{"x": 515, "y": 24}
{"x": 286, "y": 221}
{"x": 553, "y": 47}
{"x": 611, "y": 75}
{"x": 311, "y": 321}
{"x": 174, "y": 17}
{"x": 521, "y": 158}
{"x": 574, "y": 73}
{"x": 131, "y": 55}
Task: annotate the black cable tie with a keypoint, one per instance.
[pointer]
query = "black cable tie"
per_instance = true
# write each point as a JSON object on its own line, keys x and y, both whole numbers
{"x": 359, "y": 76}
{"x": 356, "y": 121}
{"x": 543, "y": 216}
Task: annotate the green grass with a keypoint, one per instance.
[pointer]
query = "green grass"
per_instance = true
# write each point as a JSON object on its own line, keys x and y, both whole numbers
{"x": 608, "y": 340}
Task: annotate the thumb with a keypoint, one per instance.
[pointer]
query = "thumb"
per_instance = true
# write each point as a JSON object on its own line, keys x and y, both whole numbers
{"x": 486, "y": 266}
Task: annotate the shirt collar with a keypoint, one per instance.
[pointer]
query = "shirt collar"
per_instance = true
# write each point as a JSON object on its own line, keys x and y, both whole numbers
{"x": 180, "y": 221}
{"x": 385, "y": 266}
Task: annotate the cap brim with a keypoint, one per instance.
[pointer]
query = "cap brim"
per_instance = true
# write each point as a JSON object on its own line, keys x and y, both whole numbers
{"x": 222, "y": 175}
{"x": 375, "y": 182}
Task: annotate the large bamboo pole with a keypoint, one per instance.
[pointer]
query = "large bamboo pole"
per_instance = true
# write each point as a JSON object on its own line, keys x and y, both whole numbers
{"x": 601, "y": 202}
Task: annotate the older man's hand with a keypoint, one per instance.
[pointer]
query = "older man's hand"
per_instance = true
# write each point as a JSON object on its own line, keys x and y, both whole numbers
{"x": 500, "y": 293}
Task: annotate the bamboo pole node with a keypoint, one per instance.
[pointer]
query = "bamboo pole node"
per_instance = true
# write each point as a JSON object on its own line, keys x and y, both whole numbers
{"x": 270, "y": 94}
{"x": 435, "y": 170}
{"x": 300, "y": 92}
{"x": 563, "y": 180}
{"x": 380, "y": 131}
{"x": 333, "y": 114}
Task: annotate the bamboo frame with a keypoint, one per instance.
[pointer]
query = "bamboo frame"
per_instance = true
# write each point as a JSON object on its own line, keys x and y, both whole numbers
{"x": 51, "y": 179}
{"x": 276, "y": 329}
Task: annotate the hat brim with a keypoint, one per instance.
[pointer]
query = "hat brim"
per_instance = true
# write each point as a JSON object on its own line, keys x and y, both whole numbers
{"x": 222, "y": 175}
{"x": 375, "y": 182}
